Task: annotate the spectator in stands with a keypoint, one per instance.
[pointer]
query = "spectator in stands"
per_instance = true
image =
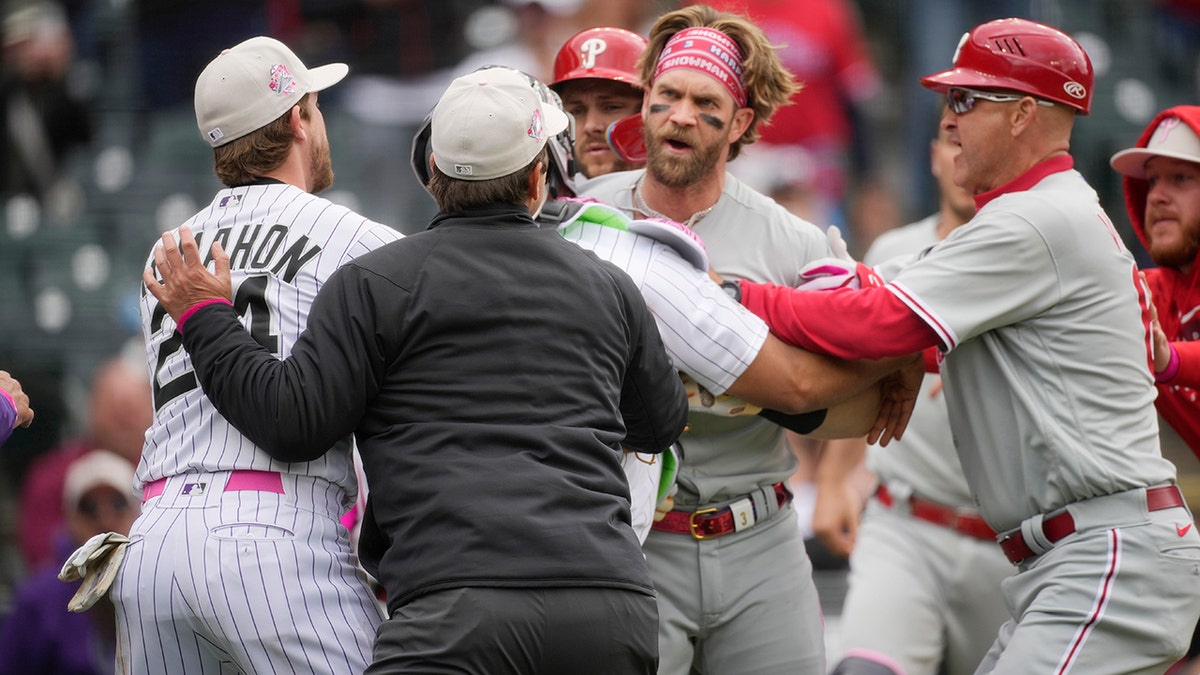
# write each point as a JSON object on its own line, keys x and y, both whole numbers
{"x": 41, "y": 635}
{"x": 119, "y": 412}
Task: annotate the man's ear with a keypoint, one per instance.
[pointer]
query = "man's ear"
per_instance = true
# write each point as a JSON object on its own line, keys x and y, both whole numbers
{"x": 535, "y": 183}
{"x": 742, "y": 117}
{"x": 297, "y": 124}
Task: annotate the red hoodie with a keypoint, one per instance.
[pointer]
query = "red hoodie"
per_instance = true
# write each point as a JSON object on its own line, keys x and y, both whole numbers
{"x": 1177, "y": 297}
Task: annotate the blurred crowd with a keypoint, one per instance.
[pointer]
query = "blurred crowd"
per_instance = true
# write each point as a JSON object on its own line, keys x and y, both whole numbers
{"x": 101, "y": 153}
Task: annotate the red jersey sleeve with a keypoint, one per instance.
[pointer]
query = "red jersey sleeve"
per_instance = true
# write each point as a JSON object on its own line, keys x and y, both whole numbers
{"x": 852, "y": 324}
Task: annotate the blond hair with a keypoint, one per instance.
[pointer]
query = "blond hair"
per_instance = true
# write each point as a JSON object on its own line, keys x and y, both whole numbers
{"x": 769, "y": 85}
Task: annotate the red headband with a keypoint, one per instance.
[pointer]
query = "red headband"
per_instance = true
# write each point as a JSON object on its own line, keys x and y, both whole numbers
{"x": 708, "y": 51}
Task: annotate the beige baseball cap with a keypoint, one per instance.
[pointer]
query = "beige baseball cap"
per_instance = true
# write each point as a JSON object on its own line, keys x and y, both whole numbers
{"x": 1171, "y": 138}
{"x": 489, "y": 124}
{"x": 252, "y": 84}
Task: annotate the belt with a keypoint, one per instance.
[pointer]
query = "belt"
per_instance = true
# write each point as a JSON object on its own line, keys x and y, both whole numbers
{"x": 738, "y": 515}
{"x": 258, "y": 481}
{"x": 1056, "y": 527}
{"x": 963, "y": 522}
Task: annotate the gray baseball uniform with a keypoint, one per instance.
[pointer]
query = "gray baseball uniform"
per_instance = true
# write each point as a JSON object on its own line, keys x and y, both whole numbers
{"x": 922, "y": 596}
{"x": 1050, "y": 392}
{"x": 743, "y": 602}
{"x": 239, "y": 562}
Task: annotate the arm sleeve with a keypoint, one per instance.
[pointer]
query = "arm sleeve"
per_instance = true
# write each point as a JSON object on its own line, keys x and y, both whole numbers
{"x": 8, "y": 415}
{"x": 294, "y": 409}
{"x": 706, "y": 333}
{"x": 1189, "y": 364}
{"x": 653, "y": 400}
{"x": 882, "y": 325}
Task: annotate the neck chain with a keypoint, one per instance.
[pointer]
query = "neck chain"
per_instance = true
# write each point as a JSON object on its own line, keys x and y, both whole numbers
{"x": 640, "y": 204}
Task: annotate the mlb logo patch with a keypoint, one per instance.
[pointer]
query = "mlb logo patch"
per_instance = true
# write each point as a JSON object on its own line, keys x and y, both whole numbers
{"x": 230, "y": 200}
{"x": 464, "y": 170}
{"x": 193, "y": 489}
{"x": 281, "y": 82}
{"x": 215, "y": 135}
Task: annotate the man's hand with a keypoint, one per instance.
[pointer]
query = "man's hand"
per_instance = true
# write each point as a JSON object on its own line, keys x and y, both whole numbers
{"x": 898, "y": 395}
{"x": 185, "y": 281}
{"x": 836, "y": 515}
{"x": 666, "y": 504}
{"x": 24, "y": 413}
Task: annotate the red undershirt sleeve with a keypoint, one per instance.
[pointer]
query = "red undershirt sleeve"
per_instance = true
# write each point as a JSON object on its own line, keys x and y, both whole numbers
{"x": 851, "y": 324}
{"x": 1189, "y": 364}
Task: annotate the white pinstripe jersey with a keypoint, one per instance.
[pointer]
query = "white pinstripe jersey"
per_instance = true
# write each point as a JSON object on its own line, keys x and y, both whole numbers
{"x": 707, "y": 334}
{"x": 283, "y": 244}
{"x": 1046, "y": 377}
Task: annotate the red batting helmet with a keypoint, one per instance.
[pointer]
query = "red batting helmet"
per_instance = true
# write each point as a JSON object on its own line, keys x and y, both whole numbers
{"x": 1023, "y": 56}
{"x": 605, "y": 53}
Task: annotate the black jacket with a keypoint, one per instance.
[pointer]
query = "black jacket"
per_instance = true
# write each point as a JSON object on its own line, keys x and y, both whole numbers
{"x": 491, "y": 372}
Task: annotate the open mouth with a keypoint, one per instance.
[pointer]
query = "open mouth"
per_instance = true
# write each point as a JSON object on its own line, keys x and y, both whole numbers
{"x": 678, "y": 145}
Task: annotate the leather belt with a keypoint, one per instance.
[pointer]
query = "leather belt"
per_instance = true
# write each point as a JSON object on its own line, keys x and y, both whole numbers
{"x": 963, "y": 522}
{"x": 739, "y": 514}
{"x": 1056, "y": 527}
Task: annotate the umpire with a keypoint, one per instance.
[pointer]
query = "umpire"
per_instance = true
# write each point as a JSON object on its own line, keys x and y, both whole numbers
{"x": 491, "y": 372}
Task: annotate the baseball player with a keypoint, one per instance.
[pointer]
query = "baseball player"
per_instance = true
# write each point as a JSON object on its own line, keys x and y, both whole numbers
{"x": 595, "y": 73}
{"x": 1162, "y": 192}
{"x": 738, "y": 599}
{"x": 238, "y": 562}
{"x": 924, "y": 587}
{"x": 1044, "y": 324}
{"x": 489, "y": 397}
{"x": 14, "y": 406}
{"x": 726, "y": 351}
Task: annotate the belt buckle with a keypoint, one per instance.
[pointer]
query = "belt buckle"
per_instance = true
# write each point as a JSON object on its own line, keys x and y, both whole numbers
{"x": 692, "y": 522}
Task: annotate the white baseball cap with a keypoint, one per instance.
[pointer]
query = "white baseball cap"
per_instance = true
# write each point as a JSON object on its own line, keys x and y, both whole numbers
{"x": 96, "y": 468}
{"x": 252, "y": 84}
{"x": 489, "y": 124}
{"x": 1171, "y": 138}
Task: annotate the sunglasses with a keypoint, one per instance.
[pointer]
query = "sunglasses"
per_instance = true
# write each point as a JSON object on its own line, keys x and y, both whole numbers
{"x": 962, "y": 99}
{"x": 92, "y": 505}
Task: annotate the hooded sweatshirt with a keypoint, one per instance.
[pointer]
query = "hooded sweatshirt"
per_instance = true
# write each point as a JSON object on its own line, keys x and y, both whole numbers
{"x": 1177, "y": 297}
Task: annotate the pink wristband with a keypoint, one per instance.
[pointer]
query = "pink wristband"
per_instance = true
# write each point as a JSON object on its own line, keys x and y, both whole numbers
{"x": 11, "y": 402}
{"x": 196, "y": 308}
{"x": 1172, "y": 368}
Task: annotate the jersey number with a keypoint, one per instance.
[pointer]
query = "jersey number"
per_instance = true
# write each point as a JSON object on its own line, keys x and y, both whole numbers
{"x": 251, "y": 298}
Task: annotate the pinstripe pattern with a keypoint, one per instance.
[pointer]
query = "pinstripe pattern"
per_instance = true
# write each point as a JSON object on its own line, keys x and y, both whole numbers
{"x": 188, "y": 434}
{"x": 706, "y": 333}
{"x": 244, "y": 581}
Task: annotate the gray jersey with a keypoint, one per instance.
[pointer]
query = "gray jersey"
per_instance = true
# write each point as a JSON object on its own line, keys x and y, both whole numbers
{"x": 283, "y": 243}
{"x": 1050, "y": 394}
{"x": 748, "y": 236}
{"x": 924, "y": 459}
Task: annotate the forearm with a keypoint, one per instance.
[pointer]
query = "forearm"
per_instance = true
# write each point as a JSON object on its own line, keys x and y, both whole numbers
{"x": 792, "y": 380}
{"x": 851, "y": 418}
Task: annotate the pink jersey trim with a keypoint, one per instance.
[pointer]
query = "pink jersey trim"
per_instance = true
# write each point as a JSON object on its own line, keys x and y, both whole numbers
{"x": 196, "y": 308}
{"x": 876, "y": 657}
{"x": 1103, "y": 595}
{"x": 1028, "y": 179}
{"x": 8, "y": 396}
